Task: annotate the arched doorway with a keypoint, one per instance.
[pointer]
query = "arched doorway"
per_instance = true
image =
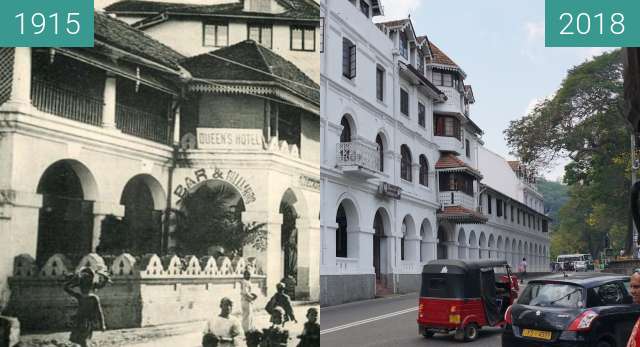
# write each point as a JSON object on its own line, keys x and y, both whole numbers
{"x": 142, "y": 222}
{"x": 462, "y": 244}
{"x": 65, "y": 221}
{"x": 378, "y": 236}
{"x": 211, "y": 221}
{"x": 442, "y": 252}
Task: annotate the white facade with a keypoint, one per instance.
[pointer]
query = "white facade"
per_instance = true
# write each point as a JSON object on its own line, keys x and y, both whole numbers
{"x": 372, "y": 241}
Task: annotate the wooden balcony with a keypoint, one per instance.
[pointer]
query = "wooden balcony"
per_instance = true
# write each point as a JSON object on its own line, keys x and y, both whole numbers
{"x": 142, "y": 124}
{"x": 66, "y": 103}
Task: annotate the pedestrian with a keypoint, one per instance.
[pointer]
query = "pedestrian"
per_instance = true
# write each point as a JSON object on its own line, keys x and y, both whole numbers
{"x": 247, "y": 299}
{"x": 281, "y": 299}
{"x": 310, "y": 336}
{"x": 634, "y": 339}
{"x": 223, "y": 329}
{"x": 523, "y": 270}
{"x": 89, "y": 316}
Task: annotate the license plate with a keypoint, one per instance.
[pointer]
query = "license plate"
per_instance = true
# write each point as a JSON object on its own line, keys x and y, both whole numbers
{"x": 454, "y": 318}
{"x": 538, "y": 334}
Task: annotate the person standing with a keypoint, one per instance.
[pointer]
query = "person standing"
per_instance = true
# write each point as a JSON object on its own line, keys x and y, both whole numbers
{"x": 523, "y": 270}
{"x": 247, "y": 299}
{"x": 310, "y": 336}
{"x": 224, "y": 329}
{"x": 281, "y": 299}
{"x": 634, "y": 284}
{"x": 89, "y": 316}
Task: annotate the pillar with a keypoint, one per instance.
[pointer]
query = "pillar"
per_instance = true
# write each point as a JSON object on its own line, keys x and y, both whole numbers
{"x": 270, "y": 259}
{"x": 176, "y": 126}
{"x": 20, "y": 96}
{"x": 101, "y": 210}
{"x": 109, "y": 97}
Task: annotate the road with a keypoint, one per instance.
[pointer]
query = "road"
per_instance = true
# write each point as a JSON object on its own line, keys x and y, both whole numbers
{"x": 386, "y": 322}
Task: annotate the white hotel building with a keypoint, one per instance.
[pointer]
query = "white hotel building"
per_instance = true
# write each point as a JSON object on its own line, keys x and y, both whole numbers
{"x": 405, "y": 178}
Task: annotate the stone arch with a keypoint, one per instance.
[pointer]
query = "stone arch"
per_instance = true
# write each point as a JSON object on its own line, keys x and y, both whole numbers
{"x": 382, "y": 145}
{"x": 491, "y": 247}
{"x": 473, "y": 245}
{"x": 348, "y": 221}
{"x": 482, "y": 246}
{"x": 462, "y": 244}
{"x": 382, "y": 231}
{"x": 409, "y": 239}
{"x": 66, "y": 221}
{"x": 427, "y": 241}
{"x": 446, "y": 242}
{"x": 294, "y": 241}
{"x": 514, "y": 254}
{"x": 406, "y": 163}
{"x": 349, "y": 128}
{"x": 500, "y": 248}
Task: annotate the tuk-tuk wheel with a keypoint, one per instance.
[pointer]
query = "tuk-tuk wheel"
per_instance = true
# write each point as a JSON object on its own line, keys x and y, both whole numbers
{"x": 470, "y": 332}
{"x": 428, "y": 334}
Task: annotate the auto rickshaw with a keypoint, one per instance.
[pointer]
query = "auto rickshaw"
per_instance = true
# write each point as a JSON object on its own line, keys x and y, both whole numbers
{"x": 463, "y": 296}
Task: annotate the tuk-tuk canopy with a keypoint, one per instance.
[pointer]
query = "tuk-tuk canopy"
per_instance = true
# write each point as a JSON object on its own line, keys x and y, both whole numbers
{"x": 455, "y": 266}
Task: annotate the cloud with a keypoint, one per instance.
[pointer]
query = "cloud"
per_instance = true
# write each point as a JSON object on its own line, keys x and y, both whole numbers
{"x": 535, "y": 31}
{"x": 533, "y": 46}
{"x": 399, "y": 9}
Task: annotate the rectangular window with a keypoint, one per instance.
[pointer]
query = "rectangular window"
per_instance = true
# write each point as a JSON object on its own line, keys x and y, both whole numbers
{"x": 260, "y": 33}
{"x": 499, "y": 207}
{"x": 215, "y": 35}
{"x": 421, "y": 115}
{"x": 447, "y": 80}
{"x": 518, "y": 216}
{"x": 364, "y": 7}
{"x": 467, "y": 148}
{"x": 505, "y": 210}
{"x": 446, "y": 126}
{"x": 321, "y": 34}
{"x": 303, "y": 38}
{"x": 404, "y": 102}
{"x": 380, "y": 83}
{"x": 511, "y": 213}
{"x": 488, "y": 203}
{"x": 437, "y": 78}
{"x": 404, "y": 46}
{"x": 348, "y": 59}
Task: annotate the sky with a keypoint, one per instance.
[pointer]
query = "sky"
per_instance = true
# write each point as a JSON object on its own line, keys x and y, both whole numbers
{"x": 500, "y": 46}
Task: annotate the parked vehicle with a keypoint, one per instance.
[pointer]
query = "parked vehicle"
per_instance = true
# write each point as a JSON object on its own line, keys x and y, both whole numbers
{"x": 576, "y": 262}
{"x": 463, "y": 296}
{"x": 581, "y": 309}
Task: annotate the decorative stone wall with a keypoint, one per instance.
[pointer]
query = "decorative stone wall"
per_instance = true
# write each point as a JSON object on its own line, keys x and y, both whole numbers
{"x": 146, "y": 291}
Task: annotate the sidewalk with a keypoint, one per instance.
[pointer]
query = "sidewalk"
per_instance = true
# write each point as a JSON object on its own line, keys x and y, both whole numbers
{"x": 175, "y": 335}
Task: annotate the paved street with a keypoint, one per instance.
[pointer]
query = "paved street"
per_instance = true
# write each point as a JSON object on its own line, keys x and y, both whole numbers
{"x": 385, "y": 322}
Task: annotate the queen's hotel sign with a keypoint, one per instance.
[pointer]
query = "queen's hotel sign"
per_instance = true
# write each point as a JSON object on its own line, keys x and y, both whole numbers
{"x": 229, "y": 139}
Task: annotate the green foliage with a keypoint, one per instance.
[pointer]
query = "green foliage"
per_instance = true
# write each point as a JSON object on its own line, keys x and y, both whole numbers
{"x": 583, "y": 121}
{"x": 555, "y": 196}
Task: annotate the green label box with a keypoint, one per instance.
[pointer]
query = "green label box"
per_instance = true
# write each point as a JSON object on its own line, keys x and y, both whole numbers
{"x": 592, "y": 23}
{"x": 46, "y": 23}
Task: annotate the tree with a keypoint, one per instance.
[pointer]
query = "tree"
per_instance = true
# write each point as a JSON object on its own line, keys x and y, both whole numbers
{"x": 584, "y": 121}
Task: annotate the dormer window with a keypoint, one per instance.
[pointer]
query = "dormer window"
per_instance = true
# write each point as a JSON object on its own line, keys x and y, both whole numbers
{"x": 260, "y": 6}
{"x": 404, "y": 46}
{"x": 364, "y": 7}
{"x": 303, "y": 38}
{"x": 216, "y": 34}
{"x": 444, "y": 79}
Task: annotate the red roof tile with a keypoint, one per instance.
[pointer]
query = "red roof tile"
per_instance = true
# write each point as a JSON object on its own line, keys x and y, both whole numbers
{"x": 439, "y": 57}
{"x": 461, "y": 215}
{"x": 449, "y": 161}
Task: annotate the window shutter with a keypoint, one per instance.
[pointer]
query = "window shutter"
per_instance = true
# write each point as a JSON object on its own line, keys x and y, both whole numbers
{"x": 353, "y": 61}
{"x": 345, "y": 57}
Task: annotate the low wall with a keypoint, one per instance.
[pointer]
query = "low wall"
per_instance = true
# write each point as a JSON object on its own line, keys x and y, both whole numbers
{"x": 146, "y": 292}
{"x": 623, "y": 267}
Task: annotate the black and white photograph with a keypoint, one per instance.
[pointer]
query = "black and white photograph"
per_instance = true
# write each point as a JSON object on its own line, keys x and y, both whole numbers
{"x": 162, "y": 188}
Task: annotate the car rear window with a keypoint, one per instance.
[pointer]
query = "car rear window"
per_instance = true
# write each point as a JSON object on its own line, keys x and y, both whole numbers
{"x": 442, "y": 286}
{"x": 552, "y": 295}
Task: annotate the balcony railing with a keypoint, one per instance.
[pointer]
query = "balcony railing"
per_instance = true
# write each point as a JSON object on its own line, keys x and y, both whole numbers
{"x": 66, "y": 103}
{"x": 357, "y": 154}
{"x": 139, "y": 123}
{"x": 457, "y": 198}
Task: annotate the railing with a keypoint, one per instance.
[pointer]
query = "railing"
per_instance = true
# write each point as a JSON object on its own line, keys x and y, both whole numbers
{"x": 354, "y": 153}
{"x": 457, "y": 198}
{"x": 139, "y": 123}
{"x": 346, "y": 265}
{"x": 66, "y": 103}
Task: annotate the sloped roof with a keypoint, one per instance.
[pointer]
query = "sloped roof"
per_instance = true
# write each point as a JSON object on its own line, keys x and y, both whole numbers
{"x": 439, "y": 57}
{"x": 295, "y": 9}
{"x": 451, "y": 161}
{"x": 398, "y": 24}
{"x": 208, "y": 66}
{"x": 461, "y": 215}
{"x": 121, "y": 35}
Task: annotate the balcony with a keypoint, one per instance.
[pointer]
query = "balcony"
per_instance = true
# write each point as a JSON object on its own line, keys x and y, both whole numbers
{"x": 142, "y": 124}
{"x": 449, "y": 144}
{"x": 457, "y": 198}
{"x": 357, "y": 160}
{"x": 66, "y": 103}
{"x": 453, "y": 103}
{"x": 346, "y": 265}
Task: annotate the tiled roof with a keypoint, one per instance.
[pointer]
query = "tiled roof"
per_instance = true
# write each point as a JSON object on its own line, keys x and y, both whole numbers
{"x": 451, "y": 161}
{"x": 439, "y": 57}
{"x": 121, "y": 35}
{"x": 514, "y": 164}
{"x": 461, "y": 215}
{"x": 395, "y": 23}
{"x": 295, "y": 9}
{"x": 248, "y": 52}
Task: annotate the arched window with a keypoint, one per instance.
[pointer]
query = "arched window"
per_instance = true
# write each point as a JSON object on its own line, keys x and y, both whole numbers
{"x": 405, "y": 163}
{"x": 341, "y": 233}
{"x": 402, "y": 240}
{"x": 380, "y": 153}
{"x": 345, "y": 136}
{"x": 424, "y": 171}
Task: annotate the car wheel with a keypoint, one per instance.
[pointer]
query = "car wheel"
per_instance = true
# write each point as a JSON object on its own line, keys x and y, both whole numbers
{"x": 604, "y": 343}
{"x": 470, "y": 332}
{"x": 428, "y": 334}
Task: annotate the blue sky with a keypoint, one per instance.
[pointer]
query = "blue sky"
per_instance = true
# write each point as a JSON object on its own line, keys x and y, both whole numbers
{"x": 500, "y": 45}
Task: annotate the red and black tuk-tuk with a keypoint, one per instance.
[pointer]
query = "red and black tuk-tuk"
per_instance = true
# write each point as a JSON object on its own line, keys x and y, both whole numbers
{"x": 463, "y": 296}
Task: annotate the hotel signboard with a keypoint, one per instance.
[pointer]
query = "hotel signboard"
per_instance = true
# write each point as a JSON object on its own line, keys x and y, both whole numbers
{"x": 221, "y": 138}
